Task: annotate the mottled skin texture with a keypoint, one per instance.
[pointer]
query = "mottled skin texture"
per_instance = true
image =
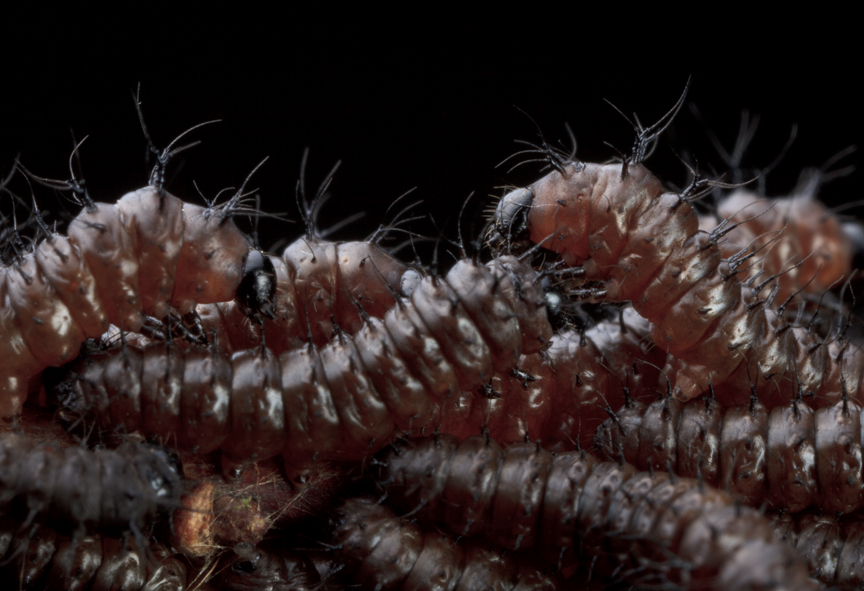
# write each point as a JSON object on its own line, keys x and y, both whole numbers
{"x": 783, "y": 232}
{"x": 621, "y": 226}
{"x": 146, "y": 254}
{"x": 415, "y": 369}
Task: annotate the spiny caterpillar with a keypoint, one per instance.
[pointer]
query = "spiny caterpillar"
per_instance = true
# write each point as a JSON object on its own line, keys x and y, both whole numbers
{"x": 614, "y": 223}
{"x": 125, "y": 264}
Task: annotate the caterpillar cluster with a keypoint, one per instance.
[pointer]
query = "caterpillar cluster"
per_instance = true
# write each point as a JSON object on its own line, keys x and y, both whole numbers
{"x": 146, "y": 255}
{"x": 834, "y": 548}
{"x": 649, "y": 525}
{"x": 46, "y": 560}
{"x": 417, "y": 367}
{"x": 617, "y": 225}
{"x": 318, "y": 285}
{"x": 375, "y": 549}
{"x": 78, "y": 491}
{"x": 557, "y": 396}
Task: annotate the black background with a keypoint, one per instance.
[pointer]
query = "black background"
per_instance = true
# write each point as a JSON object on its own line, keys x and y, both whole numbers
{"x": 436, "y": 114}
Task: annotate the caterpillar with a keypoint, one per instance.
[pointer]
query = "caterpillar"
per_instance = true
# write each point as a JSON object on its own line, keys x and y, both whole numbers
{"x": 417, "y": 367}
{"x": 316, "y": 286}
{"x": 832, "y": 546}
{"x": 46, "y": 560}
{"x": 615, "y": 224}
{"x": 791, "y": 457}
{"x": 558, "y": 396}
{"x": 383, "y": 551}
{"x": 649, "y": 526}
{"x": 796, "y": 240}
{"x": 78, "y": 491}
{"x": 317, "y": 283}
{"x": 562, "y": 394}
{"x": 255, "y": 568}
{"x": 121, "y": 264}
{"x": 374, "y": 549}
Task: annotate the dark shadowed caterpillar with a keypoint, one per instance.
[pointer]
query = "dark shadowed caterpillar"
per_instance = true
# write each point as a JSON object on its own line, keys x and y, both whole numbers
{"x": 617, "y": 223}
{"x": 144, "y": 256}
{"x": 79, "y": 491}
{"x": 46, "y": 560}
{"x": 382, "y": 551}
{"x": 374, "y": 549}
{"x": 834, "y": 548}
{"x": 791, "y": 457}
{"x": 417, "y": 367}
{"x": 650, "y": 527}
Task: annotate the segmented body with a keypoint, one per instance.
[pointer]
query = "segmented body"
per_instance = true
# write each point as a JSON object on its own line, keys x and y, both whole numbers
{"x": 649, "y": 526}
{"x": 143, "y": 256}
{"x": 416, "y": 368}
{"x": 619, "y": 224}
{"x": 45, "y": 560}
{"x": 791, "y": 457}
{"x": 793, "y": 238}
{"x": 832, "y": 546}
{"x": 318, "y": 286}
{"x": 75, "y": 490}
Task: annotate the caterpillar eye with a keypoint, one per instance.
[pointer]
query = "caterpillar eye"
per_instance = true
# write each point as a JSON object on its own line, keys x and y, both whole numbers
{"x": 256, "y": 294}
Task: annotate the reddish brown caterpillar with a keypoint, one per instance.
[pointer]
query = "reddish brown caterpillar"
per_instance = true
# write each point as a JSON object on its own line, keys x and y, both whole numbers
{"x": 79, "y": 491}
{"x": 791, "y": 457}
{"x": 651, "y": 527}
{"x": 318, "y": 284}
{"x": 417, "y": 367}
{"x": 45, "y": 560}
{"x": 560, "y": 395}
{"x": 145, "y": 255}
{"x": 834, "y": 548}
{"x": 794, "y": 239}
{"x": 621, "y": 228}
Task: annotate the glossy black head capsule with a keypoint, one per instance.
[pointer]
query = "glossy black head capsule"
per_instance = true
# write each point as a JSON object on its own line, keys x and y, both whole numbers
{"x": 509, "y": 230}
{"x": 256, "y": 294}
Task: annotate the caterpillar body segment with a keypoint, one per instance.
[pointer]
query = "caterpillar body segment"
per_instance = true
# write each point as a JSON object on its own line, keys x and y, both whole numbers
{"x": 121, "y": 263}
{"x": 648, "y": 526}
{"x": 618, "y": 223}
{"x": 78, "y": 491}
{"x": 795, "y": 239}
{"x": 47, "y": 560}
{"x": 416, "y": 368}
{"x": 791, "y": 457}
